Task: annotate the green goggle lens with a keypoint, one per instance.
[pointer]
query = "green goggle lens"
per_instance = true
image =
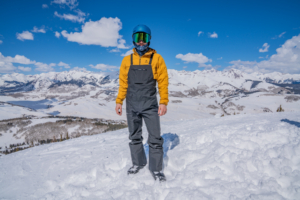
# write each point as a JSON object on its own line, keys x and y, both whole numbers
{"x": 137, "y": 37}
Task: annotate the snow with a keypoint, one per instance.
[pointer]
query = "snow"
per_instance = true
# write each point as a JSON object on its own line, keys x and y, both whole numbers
{"x": 8, "y": 137}
{"x": 9, "y": 111}
{"x": 232, "y": 157}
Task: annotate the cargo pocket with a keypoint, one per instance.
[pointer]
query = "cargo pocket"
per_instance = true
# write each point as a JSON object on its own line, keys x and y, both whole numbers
{"x": 139, "y": 75}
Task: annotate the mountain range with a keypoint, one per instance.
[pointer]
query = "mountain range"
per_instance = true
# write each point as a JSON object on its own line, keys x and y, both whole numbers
{"x": 192, "y": 94}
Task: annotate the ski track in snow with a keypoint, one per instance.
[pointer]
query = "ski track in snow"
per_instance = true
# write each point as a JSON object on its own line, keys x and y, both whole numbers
{"x": 233, "y": 157}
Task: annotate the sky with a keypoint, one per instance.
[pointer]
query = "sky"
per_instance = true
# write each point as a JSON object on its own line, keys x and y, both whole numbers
{"x": 39, "y": 36}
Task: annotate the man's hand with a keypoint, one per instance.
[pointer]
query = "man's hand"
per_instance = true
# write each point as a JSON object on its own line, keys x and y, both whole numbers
{"x": 162, "y": 109}
{"x": 119, "y": 109}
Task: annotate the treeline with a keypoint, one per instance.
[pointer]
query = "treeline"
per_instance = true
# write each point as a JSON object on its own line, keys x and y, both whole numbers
{"x": 22, "y": 146}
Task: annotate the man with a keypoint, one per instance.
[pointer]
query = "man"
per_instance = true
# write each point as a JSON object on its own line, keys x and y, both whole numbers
{"x": 139, "y": 73}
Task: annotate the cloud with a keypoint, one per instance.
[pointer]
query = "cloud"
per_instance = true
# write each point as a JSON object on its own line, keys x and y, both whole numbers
{"x": 184, "y": 67}
{"x": 70, "y": 3}
{"x": 57, "y": 34}
{"x": 200, "y": 32}
{"x": 115, "y": 50}
{"x": 220, "y": 58}
{"x": 17, "y": 59}
{"x": 25, "y": 35}
{"x": 279, "y": 36}
{"x": 36, "y": 30}
{"x": 45, "y": 6}
{"x": 191, "y": 57}
{"x": 213, "y": 35}
{"x": 127, "y": 53}
{"x": 246, "y": 66}
{"x": 286, "y": 60}
{"x": 104, "y": 32}
{"x": 43, "y": 67}
{"x": 260, "y": 57}
{"x": 62, "y": 64}
{"x": 74, "y": 18}
{"x": 1, "y": 41}
{"x": 104, "y": 67}
{"x": 265, "y": 48}
{"x": 25, "y": 69}
{"x": 6, "y": 63}
{"x": 6, "y": 67}
{"x": 79, "y": 68}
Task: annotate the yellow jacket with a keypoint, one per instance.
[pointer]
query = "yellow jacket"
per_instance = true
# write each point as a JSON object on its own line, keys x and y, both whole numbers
{"x": 159, "y": 70}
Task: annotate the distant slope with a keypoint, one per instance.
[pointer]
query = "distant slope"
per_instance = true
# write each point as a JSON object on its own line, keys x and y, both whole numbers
{"x": 233, "y": 157}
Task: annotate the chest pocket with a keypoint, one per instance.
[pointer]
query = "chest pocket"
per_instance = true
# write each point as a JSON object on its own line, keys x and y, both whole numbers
{"x": 139, "y": 75}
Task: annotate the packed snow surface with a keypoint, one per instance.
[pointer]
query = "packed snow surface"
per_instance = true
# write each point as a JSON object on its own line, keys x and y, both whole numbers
{"x": 232, "y": 157}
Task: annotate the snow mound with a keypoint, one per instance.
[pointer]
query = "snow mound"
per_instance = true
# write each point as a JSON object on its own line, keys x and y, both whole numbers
{"x": 232, "y": 157}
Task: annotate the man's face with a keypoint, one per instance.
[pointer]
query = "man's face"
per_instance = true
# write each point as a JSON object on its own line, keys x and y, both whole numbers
{"x": 141, "y": 43}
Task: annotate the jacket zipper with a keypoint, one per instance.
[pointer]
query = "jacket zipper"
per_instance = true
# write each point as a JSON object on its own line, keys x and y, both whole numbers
{"x": 140, "y": 60}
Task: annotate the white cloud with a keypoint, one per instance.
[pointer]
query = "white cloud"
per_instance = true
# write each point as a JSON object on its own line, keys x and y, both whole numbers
{"x": 265, "y": 48}
{"x": 43, "y": 67}
{"x": 70, "y": 3}
{"x": 286, "y": 60}
{"x": 25, "y": 35}
{"x": 115, "y": 50}
{"x": 104, "y": 32}
{"x": 79, "y": 68}
{"x": 25, "y": 69}
{"x": 193, "y": 57}
{"x": 1, "y": 41}
{"x": 213, "y": 35}
{"x": 36, "y": 30}
{"x": 184, "y": 67}
{"x": 6, "y": 63}
{"x": 200, "y": 32}
{"x": 17, "y": 59}
{"x": 127, "y": 53}
{"x": 45, "y": 6}
{"x": 281, "y": 34}
{"x": 6, "y": 67}
{"x": 103, "y": 67}
{"x": 57, "y": 34}
{"x": 70, "y": 17}
{"x": 260, "y": 57}
{"x": 62, "y": 64}
{"x": 220, "y": 58}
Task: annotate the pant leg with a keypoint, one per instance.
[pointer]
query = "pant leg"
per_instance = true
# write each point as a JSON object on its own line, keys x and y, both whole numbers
{"x": 155, "y": 140}
{"x": 135, "y": 124}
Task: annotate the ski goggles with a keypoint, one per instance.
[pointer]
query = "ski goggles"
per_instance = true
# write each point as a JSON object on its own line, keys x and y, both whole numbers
{"x": 145, "y": 37}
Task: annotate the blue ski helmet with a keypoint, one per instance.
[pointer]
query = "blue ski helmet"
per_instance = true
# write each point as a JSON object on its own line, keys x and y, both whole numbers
{"x": 142, "y": 28}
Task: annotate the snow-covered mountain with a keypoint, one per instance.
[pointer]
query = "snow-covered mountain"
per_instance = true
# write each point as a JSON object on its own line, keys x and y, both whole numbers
{"x": 236, "y": 157}
{"x": 192, "y": 94}
{"x": 80, "y": 78}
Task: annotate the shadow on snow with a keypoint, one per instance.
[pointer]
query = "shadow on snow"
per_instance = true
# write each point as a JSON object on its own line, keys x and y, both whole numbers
{"x": 291, "y": 122}
{"x": 171, "y": 140}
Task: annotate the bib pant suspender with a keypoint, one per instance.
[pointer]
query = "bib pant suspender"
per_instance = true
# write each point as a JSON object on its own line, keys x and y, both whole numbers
{"x": 142, "y": 104}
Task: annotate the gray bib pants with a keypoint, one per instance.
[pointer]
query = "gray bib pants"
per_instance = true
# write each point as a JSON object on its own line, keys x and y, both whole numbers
{"x": 141, "y": 103}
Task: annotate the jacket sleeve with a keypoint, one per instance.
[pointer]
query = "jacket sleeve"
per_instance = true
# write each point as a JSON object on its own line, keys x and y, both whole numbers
{"x": 123, "y": 83}
{"x": 163, "y": 81}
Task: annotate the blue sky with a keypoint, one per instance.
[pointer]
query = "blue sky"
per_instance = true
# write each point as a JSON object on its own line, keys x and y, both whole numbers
{"x": 56, "y": 35}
